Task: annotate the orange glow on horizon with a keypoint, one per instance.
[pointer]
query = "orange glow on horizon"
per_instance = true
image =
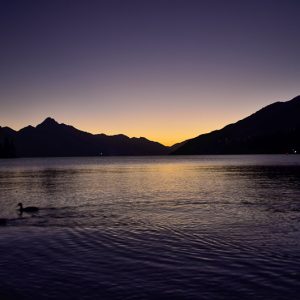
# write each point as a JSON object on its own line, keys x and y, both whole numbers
{"x": 157, "y": 121}
{"x": 159, "y": 133}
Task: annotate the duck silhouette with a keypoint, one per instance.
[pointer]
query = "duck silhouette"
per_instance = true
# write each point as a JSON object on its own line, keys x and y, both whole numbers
{"x": 27, "y": 209}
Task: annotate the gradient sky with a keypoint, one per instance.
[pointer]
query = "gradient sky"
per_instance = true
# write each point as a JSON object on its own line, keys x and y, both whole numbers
{"x": 167, "y": 69}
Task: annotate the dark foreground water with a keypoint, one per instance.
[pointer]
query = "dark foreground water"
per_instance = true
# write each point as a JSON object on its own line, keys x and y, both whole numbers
{"x": 205, "y": 227}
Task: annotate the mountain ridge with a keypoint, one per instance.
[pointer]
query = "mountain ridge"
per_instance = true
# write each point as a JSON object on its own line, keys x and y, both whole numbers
{"x": 273, "y": 129}
{"x": 50, "y": 138}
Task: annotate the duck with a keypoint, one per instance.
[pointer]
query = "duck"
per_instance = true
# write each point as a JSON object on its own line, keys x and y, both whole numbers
{"x": 28, "y": 208}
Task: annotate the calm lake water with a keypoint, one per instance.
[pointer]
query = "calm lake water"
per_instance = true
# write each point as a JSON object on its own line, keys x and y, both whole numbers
{"x": 203, "y": 227}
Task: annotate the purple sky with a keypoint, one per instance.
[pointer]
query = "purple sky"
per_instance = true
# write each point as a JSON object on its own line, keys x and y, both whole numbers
{"x": 167, "y": 70}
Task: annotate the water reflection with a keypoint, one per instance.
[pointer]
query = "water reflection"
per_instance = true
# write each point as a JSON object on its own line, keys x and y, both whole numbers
{"x": 139, "y": 228}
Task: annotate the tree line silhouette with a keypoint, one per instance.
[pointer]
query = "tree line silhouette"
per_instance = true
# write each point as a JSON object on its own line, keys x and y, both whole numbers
{"x": 7, "y": 148}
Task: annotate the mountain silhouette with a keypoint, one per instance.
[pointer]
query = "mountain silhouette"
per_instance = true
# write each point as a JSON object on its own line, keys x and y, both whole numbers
{"x": 272, "y": 130}
{"x": 51, "y": 138}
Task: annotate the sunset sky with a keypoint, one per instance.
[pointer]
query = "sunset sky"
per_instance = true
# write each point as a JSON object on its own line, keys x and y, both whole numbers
{"x": 164, "y": 69}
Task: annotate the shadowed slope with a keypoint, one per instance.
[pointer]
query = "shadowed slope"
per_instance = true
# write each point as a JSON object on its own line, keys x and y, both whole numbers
{"x": 273, "y": 129}
{"x": 53, "y": 139}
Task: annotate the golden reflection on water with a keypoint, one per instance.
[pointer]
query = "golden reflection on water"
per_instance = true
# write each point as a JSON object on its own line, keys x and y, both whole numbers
{"x": 151, "y": 222}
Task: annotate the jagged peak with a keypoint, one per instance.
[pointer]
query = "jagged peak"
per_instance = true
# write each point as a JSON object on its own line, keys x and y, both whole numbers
{"x": 48, "y": 122}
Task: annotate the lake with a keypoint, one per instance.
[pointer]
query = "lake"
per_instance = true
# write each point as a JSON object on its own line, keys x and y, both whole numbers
{"x": 190, "y": 227}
